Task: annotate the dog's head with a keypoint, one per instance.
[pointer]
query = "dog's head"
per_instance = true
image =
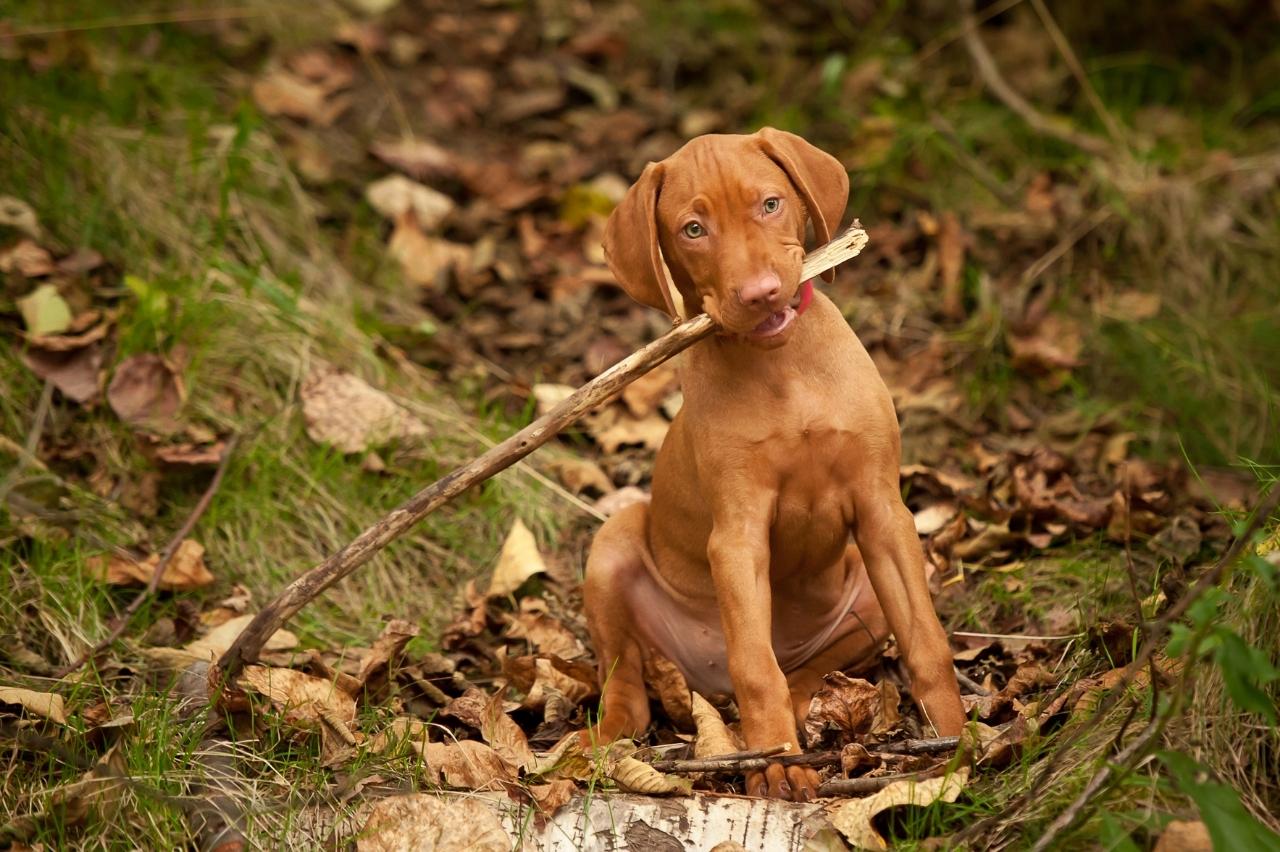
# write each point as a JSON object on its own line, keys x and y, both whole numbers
{"x": 728, "y": 214}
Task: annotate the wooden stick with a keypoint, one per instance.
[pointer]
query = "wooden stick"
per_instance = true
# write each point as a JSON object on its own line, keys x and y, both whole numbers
{"x": 750, "y": 761}
{"x": 166, "y": 556}
{"x": 873, "y": 784}
{"x": 307, "y": 587}
{"x": 720, "y": 763}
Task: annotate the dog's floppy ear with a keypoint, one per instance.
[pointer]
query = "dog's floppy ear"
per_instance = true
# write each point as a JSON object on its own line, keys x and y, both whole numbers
{"x": 631, "y": 242}
{"x": 819, "y": 178}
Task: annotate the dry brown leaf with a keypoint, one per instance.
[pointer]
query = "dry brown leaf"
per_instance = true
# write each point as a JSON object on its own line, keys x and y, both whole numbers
{"x": 844, "y": 705}
{"x": 415, "y": 157}
{"x": 343, "y": 410}
{"x": 146, "y": 392}
{"x": 664, "y": 677}
{"x": 394, "y": 195}
{"x": 548, "y": 396}
{"x": 1055, "y": 345}
{"x": 216, "y": 642}
{"x": 421, "y": 821}
{"x": 46, "y": 704}
{"x": 951, "y": 249}
{"x": 1128, "y": 306}
{"x": 300, "y": 696}
{"x": 636, "y": 776}
{"x": 75, "y": 373}
{"x": 551, "y": 797}
{"x": 934, "y": 517}
{"x": 186, "y": 570}
{"x": 550, "y": 678}
{"x": 191, "y": 453}
{"x": 281, "y": 92}
{"x": 486, "y": 714}
{"x": 854, "y": 818}
{"x": 27, "y": 259}
{"x": 611, "y": 504}
{"x": 100, "y": 790}
{"x": 623, "y": 429}
{"x": 518, "y": 561}
{"x": 1184, "y": 836}
{"x": 645, "y": 394}
{"x": 425, "y": 260}
{"x": 546, "y": 633}
{"x": 581, "y": 476}
{"x": 18, "y": 214}
{"x": 468, "y": 764}
{"x": 386, "y": 648}
{"x": 714, "y": 737}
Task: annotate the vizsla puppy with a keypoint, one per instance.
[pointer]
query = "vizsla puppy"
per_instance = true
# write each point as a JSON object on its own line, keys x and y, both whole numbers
{"x": 776, "y": 547}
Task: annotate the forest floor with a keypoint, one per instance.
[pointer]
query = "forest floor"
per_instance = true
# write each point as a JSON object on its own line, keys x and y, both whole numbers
{"x": 305, "y": 259}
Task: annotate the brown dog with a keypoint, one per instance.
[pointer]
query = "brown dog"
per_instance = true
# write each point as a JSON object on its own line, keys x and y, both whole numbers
{"x": 741, "y": 569}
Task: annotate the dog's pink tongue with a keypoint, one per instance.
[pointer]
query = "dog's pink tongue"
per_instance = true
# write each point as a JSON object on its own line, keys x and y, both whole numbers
{"x": 771, "y": 322}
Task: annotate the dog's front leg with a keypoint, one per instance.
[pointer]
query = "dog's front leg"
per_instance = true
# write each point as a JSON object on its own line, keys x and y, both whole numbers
{"x": 738, "y": 552}
{"x": 887, "y": 538}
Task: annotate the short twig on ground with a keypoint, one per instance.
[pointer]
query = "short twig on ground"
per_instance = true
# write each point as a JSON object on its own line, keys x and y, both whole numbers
{"x": 307, "y": 587}
{"x": 875, "y": 783}
{"x": 166, "y": 556}
{"x": 970, "y": 684}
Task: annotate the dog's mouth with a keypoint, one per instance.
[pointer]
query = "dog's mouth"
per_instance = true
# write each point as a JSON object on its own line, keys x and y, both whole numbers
{"x": 779, "y": 321}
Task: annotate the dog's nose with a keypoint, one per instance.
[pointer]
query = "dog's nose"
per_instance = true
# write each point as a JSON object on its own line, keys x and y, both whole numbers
{"x": 761, "y": 291}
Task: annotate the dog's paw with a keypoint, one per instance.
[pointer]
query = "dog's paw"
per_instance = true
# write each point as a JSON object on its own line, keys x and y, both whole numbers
{"x": 792, "y": 783}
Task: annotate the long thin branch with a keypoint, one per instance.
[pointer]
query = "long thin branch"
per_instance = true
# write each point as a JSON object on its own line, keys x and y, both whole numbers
{"x": 1035, "y": 119}
{"x": 166, "y": 556}
{"x": 749, "y": 761}
{"x": 307, "y": 587}
{"x": 874, "y": 783}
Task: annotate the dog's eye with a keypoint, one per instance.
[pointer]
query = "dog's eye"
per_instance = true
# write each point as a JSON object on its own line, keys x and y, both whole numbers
{"x": 693, "y": 230}
{"x": 771, "y": 205}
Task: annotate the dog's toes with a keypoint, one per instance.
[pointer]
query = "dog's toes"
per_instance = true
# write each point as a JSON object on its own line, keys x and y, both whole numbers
{"x": 757, "y": 784}
{"x": 779, "y": 788}
{"x": 803, "y": 781}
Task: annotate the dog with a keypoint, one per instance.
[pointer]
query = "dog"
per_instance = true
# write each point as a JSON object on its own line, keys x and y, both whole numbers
{"x": 775, "y": 547}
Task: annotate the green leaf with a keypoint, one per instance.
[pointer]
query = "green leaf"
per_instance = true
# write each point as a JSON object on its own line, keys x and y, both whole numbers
{"x": 1179, "y": 636}
{"x": 1230, "y": 825}
{"x": 1114, "y": 836}
{"x": 45, "y": 311}
{"x": 1245, "y": 670}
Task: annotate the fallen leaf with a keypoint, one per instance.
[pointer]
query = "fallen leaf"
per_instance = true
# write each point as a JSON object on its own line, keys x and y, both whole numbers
{"x": 846, "y": 706}
{"x": 146, "y": 392}
{"x": 636, "y": 776}
{"x": 44, "y": 311}
{"x": 215, "y": 643}
{"x": 185, "y": 571}
{"x": 664, "y": 678}
{"x": 192, "y": 454}
{"x": 27, "y": 259}
{"x": 345, "y": 411}
{"x": 548, "y": 396}
{"x": 714, "y": 737}
{"x": 467, "y": 764}
{"x": 934, "y": 517}
{"x": 425, "y": 260}
{"x": 386, "y": 648}
{"x": 1055, "y": 345}
{"x": 546, "y": 633}
{"x": 551, "y": 797}
{"x": 18, "y": 214}
{"x": 394, "y": 195}
{"x": 308, "y": 702}
{"x": 100, "y": 790}
{"x": 281, "y": 92}
{"x": 421, "y": 821}
{"x": 1184, "y": 836}
{"x": 518, "y": 561}
{"x": 623, "y": 430}
{"x": 415, "y": 157}
{"x": 611, "y": 504}
{"x": 75, "y": 374}
{"x": 47, "y": 704}
{"x": 644, "y": 395}
{"x": 854, "y": 818}
{"x": 580, "y": 476}
{"x": 951, "y": 249}
{"x": 486, "y": 714}
{"x": 1128, "y": 306}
